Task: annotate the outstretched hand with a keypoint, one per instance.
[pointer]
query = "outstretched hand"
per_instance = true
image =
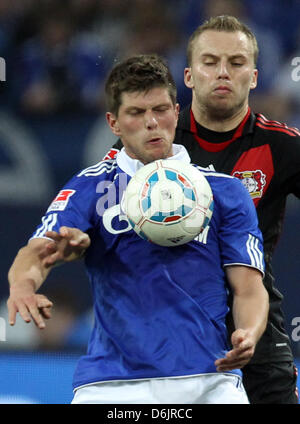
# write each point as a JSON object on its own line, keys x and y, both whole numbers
{"x": 31, "y": 306}
{"x": 67, "y": 245}
{"x": 243, "y": 349}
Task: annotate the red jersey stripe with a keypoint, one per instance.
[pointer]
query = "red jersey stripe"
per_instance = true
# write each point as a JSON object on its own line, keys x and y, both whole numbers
{"x": 277, "y": 124}
{"x": 273, "y": 128}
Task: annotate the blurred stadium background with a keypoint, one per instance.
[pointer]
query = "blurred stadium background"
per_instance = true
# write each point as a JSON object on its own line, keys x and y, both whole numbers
{"x": 57, "y": 54}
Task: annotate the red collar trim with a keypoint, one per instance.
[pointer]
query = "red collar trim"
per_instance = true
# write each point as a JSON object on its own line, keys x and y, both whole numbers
{"x": 217, "y": 147}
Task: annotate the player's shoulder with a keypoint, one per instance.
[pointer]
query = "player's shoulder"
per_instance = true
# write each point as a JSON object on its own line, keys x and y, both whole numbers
{"x": 222, "y": 184}
{"x": 211, "y": 174}
{"x": 88, "y": 178}
{"x": 104, "y": 168}
{"x": 277, "y": 130}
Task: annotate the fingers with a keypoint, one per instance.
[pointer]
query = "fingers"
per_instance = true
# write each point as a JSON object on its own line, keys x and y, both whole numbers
{"x": 52, "y": 259}
{"x": 12, "y": 312}
{"x": 240, "y": 355}
{"x": 44, "y": 305}
{"x": 76, "y": 237}
{"x": 53, "y": 235}
{"x": 36, "y": 308}
{"x": 67, "y": 245}
{"x": 234, "y": 359}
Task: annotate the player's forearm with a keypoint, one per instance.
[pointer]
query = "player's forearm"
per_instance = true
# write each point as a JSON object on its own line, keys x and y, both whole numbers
{"x": 27, "y": 269}
{"x": 250, "y": 310}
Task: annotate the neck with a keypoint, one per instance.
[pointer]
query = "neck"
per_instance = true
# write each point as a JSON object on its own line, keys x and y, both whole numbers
{"x": 219, "y": 122}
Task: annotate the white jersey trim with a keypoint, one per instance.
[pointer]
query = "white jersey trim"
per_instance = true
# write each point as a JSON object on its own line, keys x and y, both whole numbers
{"x": 130, "y": 166}
{"x": 48, "y": 222}
{"x": 98, "y": 169}
{"x": 254, "y": 252}
{"x": 155, "y": 378}
{"x": 214, "y": 174}
{"x": 247, "y": 265}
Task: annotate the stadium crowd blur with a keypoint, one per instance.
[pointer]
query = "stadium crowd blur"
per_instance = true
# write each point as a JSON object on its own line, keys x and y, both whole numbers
{"x": 57, "y": 56}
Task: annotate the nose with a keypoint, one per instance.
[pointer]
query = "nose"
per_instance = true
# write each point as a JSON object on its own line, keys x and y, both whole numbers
{"x": 150, "y": 120}
{"x": 222, "y": 70}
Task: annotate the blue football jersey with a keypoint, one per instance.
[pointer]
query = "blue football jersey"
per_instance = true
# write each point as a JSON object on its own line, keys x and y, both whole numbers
{"x": 159, "y": 311}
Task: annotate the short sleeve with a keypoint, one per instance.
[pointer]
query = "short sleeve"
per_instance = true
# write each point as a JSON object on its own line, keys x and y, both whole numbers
{"x": 241, "y": 241}
{"x": 72, "y": 207}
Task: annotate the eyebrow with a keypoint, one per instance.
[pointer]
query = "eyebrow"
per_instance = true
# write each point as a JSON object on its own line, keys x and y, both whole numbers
{"x": 138, "y": 108}
{"x": 234, "y": 56}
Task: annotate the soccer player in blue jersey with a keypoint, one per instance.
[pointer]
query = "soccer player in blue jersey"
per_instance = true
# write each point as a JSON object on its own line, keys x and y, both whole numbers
{"x": 159, "y": 334}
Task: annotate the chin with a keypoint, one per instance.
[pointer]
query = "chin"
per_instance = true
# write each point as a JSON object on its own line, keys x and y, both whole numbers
{"x": 223, "y": 111}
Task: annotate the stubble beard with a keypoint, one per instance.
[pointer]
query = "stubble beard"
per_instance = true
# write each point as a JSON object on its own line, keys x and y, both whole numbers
{"x": 215, "y": 111}
{"x": 149, "y": 157}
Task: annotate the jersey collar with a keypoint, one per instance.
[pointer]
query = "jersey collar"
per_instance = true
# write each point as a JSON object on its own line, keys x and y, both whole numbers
{"x": 131, "y": 166}
{"x": 187, "y": 122}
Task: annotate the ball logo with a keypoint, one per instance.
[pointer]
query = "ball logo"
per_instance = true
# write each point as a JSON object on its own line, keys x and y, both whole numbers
{"x": 166, "y": 194}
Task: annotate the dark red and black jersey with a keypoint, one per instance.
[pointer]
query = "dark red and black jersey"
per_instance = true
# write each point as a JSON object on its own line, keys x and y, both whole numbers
{"x": 265, "y": 155}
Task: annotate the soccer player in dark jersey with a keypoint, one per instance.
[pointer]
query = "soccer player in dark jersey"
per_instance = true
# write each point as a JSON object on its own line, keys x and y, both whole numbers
{"x": 159, "y": 334}
{"x": 221, "y": 132}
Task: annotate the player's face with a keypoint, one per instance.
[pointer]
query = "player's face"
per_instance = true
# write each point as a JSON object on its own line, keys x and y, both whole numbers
{"x": 146, "y": 124}
{"x": 222, "y": 73}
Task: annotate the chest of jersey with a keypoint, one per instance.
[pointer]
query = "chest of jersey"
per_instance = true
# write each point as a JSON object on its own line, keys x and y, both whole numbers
{"x": 252, "y": 164}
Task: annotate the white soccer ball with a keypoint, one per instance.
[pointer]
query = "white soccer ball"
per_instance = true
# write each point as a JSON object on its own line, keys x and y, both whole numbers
{"x": 168, "y": 202}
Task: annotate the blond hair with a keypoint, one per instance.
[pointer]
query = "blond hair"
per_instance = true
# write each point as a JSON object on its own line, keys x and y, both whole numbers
{"x": 222, "y": 23}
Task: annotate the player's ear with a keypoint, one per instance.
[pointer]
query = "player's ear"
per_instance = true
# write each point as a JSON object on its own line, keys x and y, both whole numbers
{"x": 188, "y": 78}
{"x": 113, "y": 123}
{"x": 254, "y": 79}
{"x": 177, "y": 110}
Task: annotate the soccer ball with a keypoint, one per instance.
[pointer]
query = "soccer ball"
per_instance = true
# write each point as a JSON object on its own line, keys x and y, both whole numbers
{"x": 168, "y": 202}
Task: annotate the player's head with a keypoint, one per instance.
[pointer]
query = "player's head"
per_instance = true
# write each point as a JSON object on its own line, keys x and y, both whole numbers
{"x": 142, "y": 108}
{"x": 138, "y": 73}
{"x": 225, "y": 23}
{"x": 222, "y": 55}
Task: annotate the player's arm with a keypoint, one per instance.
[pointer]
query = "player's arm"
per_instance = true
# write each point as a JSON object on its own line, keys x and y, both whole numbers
{"x": 32, "y": 266}
{"x": 250, "y": 314}
{"x": 25, "y": 277}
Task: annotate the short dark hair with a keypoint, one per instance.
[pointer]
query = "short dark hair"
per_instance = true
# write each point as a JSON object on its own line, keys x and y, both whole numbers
{"x": 222, "y": 23}
{"x": 138, "y": 73}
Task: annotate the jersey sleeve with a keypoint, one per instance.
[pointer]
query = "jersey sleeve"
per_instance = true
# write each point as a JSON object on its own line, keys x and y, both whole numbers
{"x": 73, "y": 207}
{"x": 288, "y": 158}
{"x": 241, "y": 240}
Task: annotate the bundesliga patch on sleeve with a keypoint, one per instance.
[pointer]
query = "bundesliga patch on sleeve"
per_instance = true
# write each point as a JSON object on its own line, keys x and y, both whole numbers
{"x": 61, "y": 200}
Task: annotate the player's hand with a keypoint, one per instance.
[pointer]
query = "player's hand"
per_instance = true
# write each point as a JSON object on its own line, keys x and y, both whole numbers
{"x": 31, "y": 306}
{"x": 243, "y": 349}
{"x": 67, "y": 245}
